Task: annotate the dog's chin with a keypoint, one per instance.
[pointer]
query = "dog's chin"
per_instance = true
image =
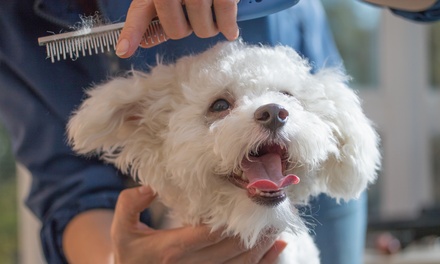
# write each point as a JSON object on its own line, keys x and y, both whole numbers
{"x": 268, "y": 167}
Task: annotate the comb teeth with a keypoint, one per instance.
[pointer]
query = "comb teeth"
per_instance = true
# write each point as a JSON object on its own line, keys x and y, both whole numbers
{"x": 95, "y": 40}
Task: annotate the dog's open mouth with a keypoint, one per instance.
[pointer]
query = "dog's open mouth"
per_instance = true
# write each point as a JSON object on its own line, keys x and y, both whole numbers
{"x": 263, "y": 175}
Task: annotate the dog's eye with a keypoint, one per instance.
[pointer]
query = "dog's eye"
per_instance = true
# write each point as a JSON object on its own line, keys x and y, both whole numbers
{"x": 220, "y": 105}
{"x": 286, "y": 93}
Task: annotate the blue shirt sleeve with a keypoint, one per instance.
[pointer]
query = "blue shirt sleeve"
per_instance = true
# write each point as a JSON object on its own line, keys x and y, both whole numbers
{"x": 429, "y": 15}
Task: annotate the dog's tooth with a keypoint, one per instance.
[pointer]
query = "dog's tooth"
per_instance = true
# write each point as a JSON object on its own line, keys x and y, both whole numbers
{"x": 265, "y": 194}
{"x": 269, "y": 194}
{"x": 243, "y": 177}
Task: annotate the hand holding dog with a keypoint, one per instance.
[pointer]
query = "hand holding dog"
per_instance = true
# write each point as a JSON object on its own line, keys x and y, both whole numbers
{"x": 174, "y": 23}
{"x": 135, "y": 242}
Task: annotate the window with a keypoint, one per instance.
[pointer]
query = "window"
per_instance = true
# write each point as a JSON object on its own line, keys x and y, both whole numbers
{"x": 434, "y": 58}
{"x": 389, "y": 55}
{"x": 357, "y": 40}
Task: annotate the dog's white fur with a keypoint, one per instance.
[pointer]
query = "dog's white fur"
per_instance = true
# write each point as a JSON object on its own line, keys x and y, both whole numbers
{"x": 159, "y": 127}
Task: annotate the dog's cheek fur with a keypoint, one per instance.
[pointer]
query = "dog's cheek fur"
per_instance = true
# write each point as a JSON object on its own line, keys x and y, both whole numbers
{"x": 347, "y": 174}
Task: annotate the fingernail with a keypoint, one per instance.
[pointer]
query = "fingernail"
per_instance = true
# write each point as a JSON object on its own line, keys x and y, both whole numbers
{"x": 144, "y": 189}
{"x": 122, "y": 47}
{"x": 237, "y": 34}
{"x": 233, "y": 36}
{"x": 281, "y": 246}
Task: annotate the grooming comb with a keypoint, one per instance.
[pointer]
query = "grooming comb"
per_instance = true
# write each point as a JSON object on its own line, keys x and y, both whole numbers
{"x": 94, "y": 40}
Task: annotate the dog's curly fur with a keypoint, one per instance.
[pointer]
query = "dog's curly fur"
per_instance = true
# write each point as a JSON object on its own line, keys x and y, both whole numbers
{"x": 186, "y": 128}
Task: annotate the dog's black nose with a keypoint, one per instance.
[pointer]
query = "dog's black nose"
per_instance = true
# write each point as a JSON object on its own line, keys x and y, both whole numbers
{"x": 271, "y": 116}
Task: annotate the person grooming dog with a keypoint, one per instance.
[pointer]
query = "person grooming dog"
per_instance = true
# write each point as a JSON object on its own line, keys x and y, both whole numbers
{"x": 75, "y": 197}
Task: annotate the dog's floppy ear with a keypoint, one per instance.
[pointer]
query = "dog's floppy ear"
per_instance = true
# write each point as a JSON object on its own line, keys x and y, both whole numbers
{"x": 347, "y": 172}
{"x": 122, "y": 116}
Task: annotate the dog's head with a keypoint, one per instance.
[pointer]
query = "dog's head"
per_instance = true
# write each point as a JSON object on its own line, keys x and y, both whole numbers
{"x": 234, "y": 136}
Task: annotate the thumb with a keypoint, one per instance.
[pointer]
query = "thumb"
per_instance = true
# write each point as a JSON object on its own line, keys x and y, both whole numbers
{"x": 130, "y": 204}
{"x": 273, "y": 253}
{"x": 139, "y": 16}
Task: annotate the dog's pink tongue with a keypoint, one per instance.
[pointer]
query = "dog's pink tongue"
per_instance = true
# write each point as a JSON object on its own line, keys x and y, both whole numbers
{"x": 265, "y": 173}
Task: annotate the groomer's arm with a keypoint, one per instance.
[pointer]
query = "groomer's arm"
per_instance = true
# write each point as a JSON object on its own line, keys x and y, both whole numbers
{"x": 87, "y": 238}
{"x": 407, "y": 5}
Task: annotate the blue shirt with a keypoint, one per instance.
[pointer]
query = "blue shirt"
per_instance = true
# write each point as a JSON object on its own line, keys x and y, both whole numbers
{"x": 37, "y": 96}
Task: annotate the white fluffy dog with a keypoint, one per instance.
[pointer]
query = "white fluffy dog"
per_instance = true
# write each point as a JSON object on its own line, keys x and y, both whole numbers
{"x": 236, "y": 136}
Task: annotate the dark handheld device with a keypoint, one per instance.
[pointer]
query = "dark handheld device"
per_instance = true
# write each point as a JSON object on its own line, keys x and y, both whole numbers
{"x": 251, "y": 9}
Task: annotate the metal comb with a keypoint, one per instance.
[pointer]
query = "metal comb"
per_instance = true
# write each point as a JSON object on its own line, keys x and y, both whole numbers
{"x": 94, "y": 40}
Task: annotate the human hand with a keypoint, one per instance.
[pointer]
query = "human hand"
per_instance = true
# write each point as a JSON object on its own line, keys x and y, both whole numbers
{"x": 174, "y": 23}
{"x": 135, "y": 242}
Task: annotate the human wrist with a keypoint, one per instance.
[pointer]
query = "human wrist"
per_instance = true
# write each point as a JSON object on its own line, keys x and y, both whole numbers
{"x": 407, "y": 5}
{"x": 86, "y": 238}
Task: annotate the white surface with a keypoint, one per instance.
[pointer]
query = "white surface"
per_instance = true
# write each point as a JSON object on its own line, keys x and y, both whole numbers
{"x": 29, "y": 227}
{"x": 420, "y": 255}
{"x": 405, "y": 109}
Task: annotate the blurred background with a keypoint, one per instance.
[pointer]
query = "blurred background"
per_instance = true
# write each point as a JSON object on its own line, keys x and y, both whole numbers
{"x": 8, "y": 203}
{"x": 395, "y": 66}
